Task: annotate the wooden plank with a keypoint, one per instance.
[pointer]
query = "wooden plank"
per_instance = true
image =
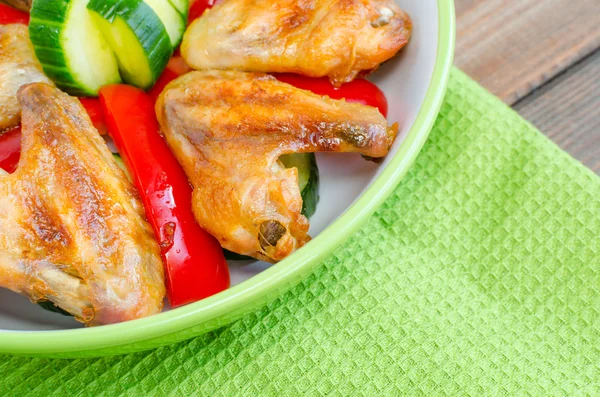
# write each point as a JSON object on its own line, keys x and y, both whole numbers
{"x": 567, "y": 109}
{"x": 514, "y": 46}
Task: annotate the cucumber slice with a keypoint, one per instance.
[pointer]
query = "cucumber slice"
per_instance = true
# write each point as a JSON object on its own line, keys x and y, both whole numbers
{"x": 308, "y": 179}
{"x": 182, "y": 6}
{"x": 71, "y": 50}
{"x": 234, "y": 256}
{"x": 137, "y": 36}
{"x": 47, "y": 305}
{"x": 308, "y": 182}
{"x": 171, "y": 18}
{"x": 121, "y": 165}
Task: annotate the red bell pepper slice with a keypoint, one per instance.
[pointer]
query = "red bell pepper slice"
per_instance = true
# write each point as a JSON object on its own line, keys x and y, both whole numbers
{"x": 198, "y": 7}
{"x": 175, "y": 68}
{"x": 94, "y": 110}
{"x": 10, "y": 149}
{"x": 195, "y": 267}
{"x": 357, "y": 91}
{"x": 165, "y": 78}
{"x": 9, "y": 15}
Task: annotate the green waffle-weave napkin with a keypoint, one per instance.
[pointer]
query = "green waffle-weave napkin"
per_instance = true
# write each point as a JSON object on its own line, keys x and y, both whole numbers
{"x": 480, "y": 275}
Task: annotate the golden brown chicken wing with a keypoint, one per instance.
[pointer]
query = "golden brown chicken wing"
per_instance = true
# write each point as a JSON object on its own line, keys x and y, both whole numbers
{"x": 228, "y": 130}
{"x": 71, "y": 226}
{"x": 18, "y": 66}
{"x": 335, "y": 38}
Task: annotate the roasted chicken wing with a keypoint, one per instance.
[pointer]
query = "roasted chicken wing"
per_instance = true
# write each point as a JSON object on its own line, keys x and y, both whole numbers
{"x": 335, "y": 38}
{"x": 18, "y": 66}
{"x": 228, "y": 130}
{"x": 71, "y": 225}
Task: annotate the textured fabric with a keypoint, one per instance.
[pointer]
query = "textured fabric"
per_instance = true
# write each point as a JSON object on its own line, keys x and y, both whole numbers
{"x": 478, "y": 276}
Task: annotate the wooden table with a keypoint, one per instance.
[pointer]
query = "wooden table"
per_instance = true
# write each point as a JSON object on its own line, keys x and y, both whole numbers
{"x": 542, "y": 57}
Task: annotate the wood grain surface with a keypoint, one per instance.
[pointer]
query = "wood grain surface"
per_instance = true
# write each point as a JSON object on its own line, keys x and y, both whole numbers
{"x": 513, "y": 46}
{"x": 543, "y": 58}
{"x": 567, "y": 110}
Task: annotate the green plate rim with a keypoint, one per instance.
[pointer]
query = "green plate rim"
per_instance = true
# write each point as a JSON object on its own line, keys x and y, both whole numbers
{"x": 217, "y": 310}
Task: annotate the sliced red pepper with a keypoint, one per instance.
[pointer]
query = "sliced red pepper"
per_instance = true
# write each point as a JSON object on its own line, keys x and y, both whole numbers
{"x": 175, "y": 68}
{"x": 194, "y": 264}
{"x": 94, "y": 110}
{"x": 10, "y": 149}
{"x": 198, "y": 7}
{"x": 358, "y": 91}
{"x": 9, "y": 15}
{"x": 165, "y": 78}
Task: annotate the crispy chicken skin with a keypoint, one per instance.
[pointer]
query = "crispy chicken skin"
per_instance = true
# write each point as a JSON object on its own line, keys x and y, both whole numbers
{"x": 71, "y": 225}
{"x": 228, "y": 130}
{"x": 18, "y": 66}
{"x": 336, "y": 38}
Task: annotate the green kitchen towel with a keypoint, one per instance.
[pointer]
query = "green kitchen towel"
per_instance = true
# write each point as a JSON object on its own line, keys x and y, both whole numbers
{"x": 479, "y": 276}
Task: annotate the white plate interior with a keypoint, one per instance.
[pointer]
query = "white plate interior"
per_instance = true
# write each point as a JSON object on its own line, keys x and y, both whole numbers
{"x": 405, "y": 81}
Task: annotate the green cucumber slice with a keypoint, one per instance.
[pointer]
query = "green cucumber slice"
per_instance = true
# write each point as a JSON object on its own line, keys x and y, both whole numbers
{"x": 47, "y": 305}
{"x": 308, "y": 179}
{"x": 171, "y": 18}
{"x": 121, "y": 165}
{"x": 71, "y": 50}
{"x": 137, "y": 36}
{"x": 182, "y": 6}
{"x": 308, "y": 182}
{"x": 234, "y": 256}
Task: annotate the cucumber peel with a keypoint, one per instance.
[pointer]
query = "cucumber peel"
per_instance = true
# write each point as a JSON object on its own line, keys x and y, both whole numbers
{"x": 121, "y": 165}
{"x": 47, "y": 305}
{"x": 174, "y": 22}
{"x": 182, "y": 6}
{"x": 308, "y": 179}
{"x": 137, "y": 36}
{"x": 71, "y": 50}
{"x": 84, "y": 45}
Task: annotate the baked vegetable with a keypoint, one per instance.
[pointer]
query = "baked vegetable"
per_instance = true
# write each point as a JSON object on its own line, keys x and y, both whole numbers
{"x": 192, "y": 258}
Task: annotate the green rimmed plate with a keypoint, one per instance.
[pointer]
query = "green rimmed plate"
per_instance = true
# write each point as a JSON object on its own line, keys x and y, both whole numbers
{"x": 351, "y": 191}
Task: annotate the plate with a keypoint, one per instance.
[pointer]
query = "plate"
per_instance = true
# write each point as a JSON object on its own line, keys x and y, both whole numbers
{"x": 351, "y": 190}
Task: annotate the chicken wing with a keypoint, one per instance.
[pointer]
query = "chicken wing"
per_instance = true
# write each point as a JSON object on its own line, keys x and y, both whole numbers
{"x": 335, "y": 38}
{"x": 18, "y": 66}
{"x": 71, "y": 225}
{"x": 228, "y": 130}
